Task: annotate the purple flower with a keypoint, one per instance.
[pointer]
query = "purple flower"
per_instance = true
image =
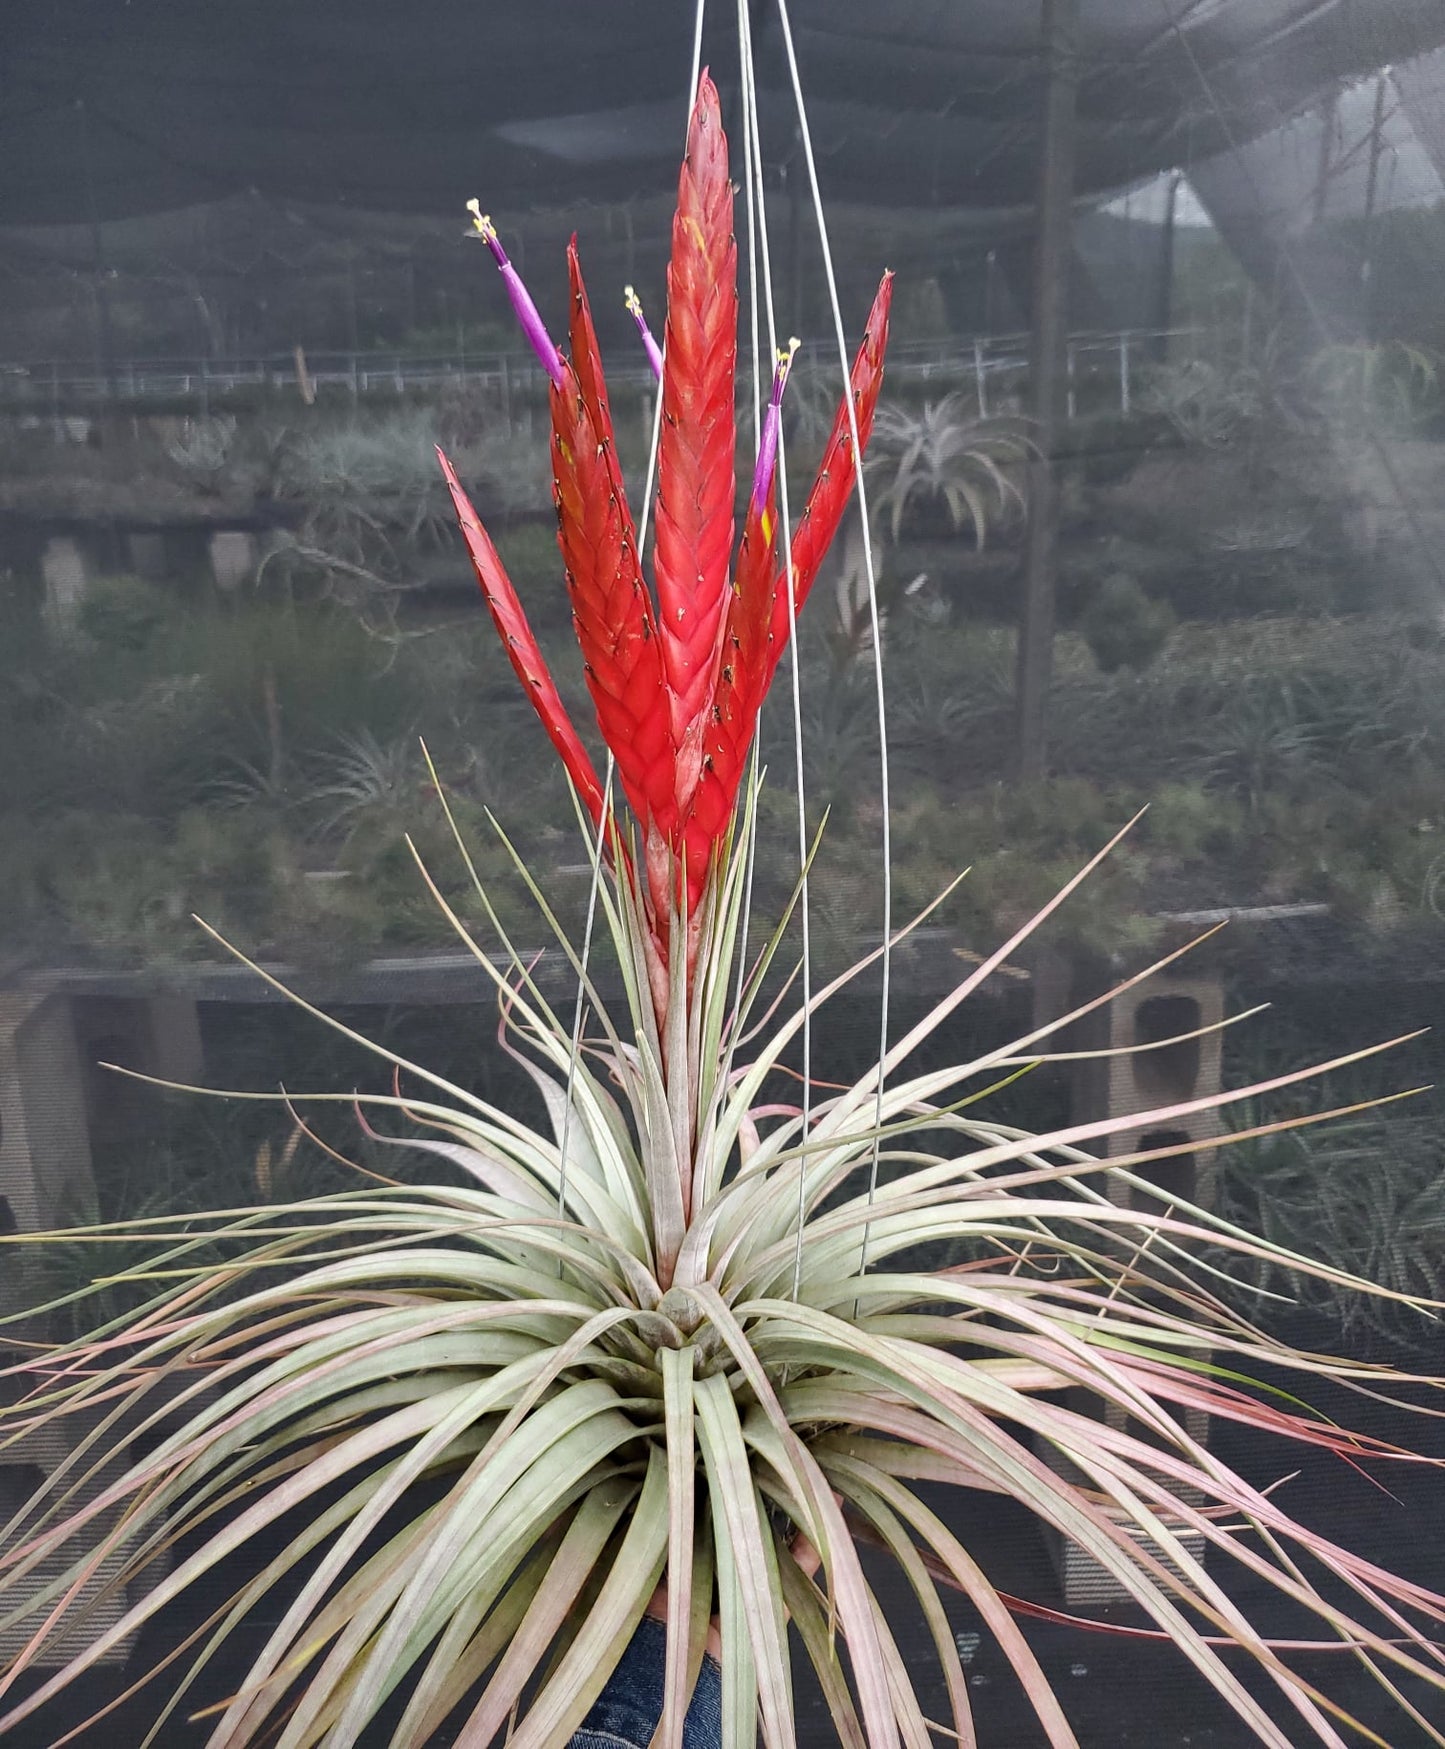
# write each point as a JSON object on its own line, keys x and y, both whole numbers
{"x": 654, "y": 351}
{"x": 532, "y": 324}
{"x": 772, "y": 421}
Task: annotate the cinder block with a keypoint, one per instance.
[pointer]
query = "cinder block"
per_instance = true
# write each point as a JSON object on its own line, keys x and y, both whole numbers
{"x": 1084, "y": 1582}
{"x": 105, "y": 1596}
{"x": 1154, "y": 1075}
{"x": 1147, "y": 1073}
{"x": 44, "y": 1138}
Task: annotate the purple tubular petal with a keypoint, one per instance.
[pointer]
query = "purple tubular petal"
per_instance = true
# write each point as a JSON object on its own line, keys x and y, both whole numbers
{"x": 526, "y": 311}
{"x": 772, "y": 422}
{"x": 654, "y": 351}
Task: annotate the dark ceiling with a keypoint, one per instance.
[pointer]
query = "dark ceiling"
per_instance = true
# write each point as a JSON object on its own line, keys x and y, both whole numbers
{"x": 113, "y": 108}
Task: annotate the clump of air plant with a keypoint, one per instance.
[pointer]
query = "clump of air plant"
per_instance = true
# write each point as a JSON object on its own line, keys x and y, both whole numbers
{"x": 683, "y": 1331}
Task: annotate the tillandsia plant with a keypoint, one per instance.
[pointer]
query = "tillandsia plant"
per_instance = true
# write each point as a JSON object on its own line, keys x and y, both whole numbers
{"x": 683, "y": 1349}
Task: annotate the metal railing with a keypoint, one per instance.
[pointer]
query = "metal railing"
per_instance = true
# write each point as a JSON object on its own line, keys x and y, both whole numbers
{"x": 1101, "y": 367}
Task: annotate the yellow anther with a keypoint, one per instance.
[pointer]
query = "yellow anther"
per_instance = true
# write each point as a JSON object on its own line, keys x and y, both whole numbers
{"x": 631, "y": 302}
{"x": 481, "y": 222}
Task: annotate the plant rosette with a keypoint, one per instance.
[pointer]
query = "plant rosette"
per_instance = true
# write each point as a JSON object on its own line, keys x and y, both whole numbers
{"x": 684, "y": 1334}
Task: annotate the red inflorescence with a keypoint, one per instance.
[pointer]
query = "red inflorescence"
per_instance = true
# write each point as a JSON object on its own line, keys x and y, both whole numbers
{"x": 677, "y": 683}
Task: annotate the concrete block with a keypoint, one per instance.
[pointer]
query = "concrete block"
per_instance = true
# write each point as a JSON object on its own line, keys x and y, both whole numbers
{"x": 62, "y": 567}
{"x": 233, "y": 557}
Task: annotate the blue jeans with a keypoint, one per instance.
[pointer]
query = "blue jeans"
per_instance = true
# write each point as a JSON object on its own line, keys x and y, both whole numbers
{"x": 626, "y": 1712}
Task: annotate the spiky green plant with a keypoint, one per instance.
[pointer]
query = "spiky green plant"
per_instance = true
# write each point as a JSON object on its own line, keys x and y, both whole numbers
{"x": 685, "y": 1335}
{"x": 949, "y": 456}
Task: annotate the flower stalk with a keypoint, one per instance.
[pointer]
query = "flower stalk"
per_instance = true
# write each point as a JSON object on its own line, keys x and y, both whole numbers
{"x": 528, "y": 316}
{"x": 633, "y": 305}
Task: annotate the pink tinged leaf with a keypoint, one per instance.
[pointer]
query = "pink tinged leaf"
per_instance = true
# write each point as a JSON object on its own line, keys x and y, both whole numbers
{"x": 976, "y": 1586}
{"x": 738, "y": 1523}
{"x": 677, "y": 1387}
{"x": 567, "y": 1573}
{"x": 828, "y": 1531}
{"x": 801, "y": 1597}
{"x": 582, "y": 1673}
{"x": 903, "y": 1550}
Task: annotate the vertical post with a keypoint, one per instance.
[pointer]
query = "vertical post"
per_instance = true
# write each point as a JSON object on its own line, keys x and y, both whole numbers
{"x": 1059, "y": 26}
{"x": 104, "y": 335}
{"x": 1329, "y": 122}
{"x": 1126, "y": 387}
{"x": 980, "y": 377}
{"x": 1164, "y": 318}
{"x": 1372, "y": 198}
{"x": 1073, "y": 375}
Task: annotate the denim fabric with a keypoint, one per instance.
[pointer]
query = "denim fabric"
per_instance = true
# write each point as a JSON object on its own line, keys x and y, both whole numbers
{"x": 626, "y": 1712}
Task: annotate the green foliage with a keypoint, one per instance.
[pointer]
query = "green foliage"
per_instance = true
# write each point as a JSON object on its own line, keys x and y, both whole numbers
{"x": 1211, "y": 403}
{"x": 122, "y": 613}
{"x": 1124, "y": 627}
{"x": 1389, "y": 386}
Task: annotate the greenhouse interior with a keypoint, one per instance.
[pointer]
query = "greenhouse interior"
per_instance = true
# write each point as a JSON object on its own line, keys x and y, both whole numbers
{"x": 354, "y": 921}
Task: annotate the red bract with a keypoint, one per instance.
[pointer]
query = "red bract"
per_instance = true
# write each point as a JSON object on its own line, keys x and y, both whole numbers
{"x": 677, "y": 681}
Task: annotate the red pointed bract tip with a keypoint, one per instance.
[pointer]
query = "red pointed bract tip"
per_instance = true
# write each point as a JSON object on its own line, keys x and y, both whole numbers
{"x": 695, "y": 459}
{"x": 522, "y": 648}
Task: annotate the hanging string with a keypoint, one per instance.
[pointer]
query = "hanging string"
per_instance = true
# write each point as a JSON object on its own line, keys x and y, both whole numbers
{"x": 754, "y": 156}
{"x": 885, "y": 786}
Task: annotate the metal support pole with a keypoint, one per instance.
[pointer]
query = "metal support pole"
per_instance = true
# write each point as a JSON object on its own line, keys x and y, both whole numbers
{"x": 1059, "y": 28}
{"x": 100, "y": 270}
{"x": 1164, "y": 318}
{"x": 980, "y": 377}
{"x": 1372, "y": 198}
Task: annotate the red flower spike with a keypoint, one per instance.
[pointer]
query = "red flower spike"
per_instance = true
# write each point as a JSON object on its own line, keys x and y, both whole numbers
{"x": 610, "y": 606}
{"x": 677, "y": 687}
{"x": 696, "y": 486}
{"x": 521, "y": 647}
{"x": 757, "y": 627}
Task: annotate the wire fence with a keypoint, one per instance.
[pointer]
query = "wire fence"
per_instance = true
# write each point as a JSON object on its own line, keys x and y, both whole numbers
{"x": 1103, "y": 370}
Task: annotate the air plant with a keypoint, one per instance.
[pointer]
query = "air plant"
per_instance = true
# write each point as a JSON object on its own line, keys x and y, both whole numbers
{"x": 949, "y": 456}
{"x": 684, "y": 1334}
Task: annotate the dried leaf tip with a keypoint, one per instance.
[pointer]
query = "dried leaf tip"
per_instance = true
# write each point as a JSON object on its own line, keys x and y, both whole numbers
{"x": 633, "y": 305}
{"x": 525, "y": 310}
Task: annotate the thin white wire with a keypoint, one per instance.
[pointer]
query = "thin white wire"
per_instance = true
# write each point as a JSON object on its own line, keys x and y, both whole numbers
{"x": 755, "y": 155}
{"x": 885, "y": 786}
{"x": 745, "y": 923}
{"x": 579, "y": 1011}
